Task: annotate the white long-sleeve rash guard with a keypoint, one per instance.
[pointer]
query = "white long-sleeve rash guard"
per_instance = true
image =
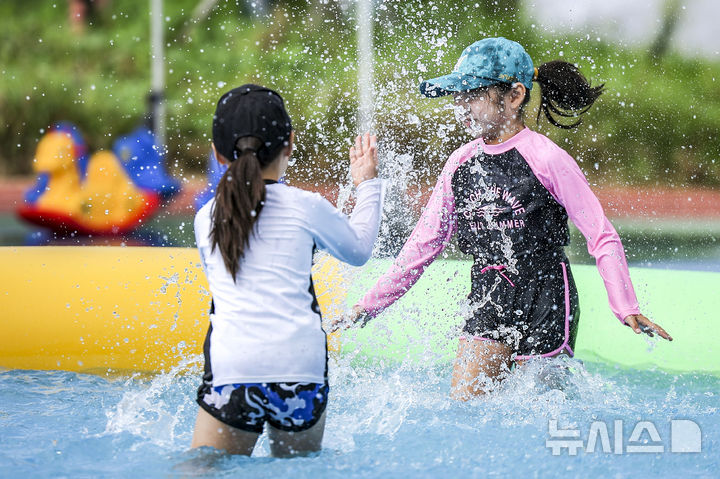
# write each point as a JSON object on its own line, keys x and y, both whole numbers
{"x": 264, "y": 328}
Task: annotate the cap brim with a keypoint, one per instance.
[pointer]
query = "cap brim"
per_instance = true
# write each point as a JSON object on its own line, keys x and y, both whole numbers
{"x": 452, "y": 83}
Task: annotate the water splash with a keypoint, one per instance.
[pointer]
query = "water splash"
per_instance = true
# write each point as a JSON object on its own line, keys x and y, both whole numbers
{"x": 152, "y": 413}
{"x": 383, "y": 420}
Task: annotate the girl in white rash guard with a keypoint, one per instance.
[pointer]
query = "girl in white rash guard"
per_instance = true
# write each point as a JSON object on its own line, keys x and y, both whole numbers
{"x": 265, "y": 351}
{"x": 507, "y": 195}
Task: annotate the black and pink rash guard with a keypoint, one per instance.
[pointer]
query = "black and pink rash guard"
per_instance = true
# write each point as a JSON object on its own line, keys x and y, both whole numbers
{"x": 508, "y": 202}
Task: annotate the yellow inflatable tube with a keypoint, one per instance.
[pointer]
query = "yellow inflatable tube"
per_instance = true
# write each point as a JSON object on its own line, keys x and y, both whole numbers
{"x": 94, "y": 309}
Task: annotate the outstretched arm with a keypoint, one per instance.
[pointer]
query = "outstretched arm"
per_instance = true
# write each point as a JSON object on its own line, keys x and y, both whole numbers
{"x": 571, "y": 189}
{"x": 431, "y": 235}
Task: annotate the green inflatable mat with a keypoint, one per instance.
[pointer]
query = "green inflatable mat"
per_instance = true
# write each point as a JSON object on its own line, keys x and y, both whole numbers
{"x": 423, "y": 326}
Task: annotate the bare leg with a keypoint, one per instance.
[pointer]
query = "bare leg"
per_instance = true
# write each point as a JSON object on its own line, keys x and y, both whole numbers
{"x": 477, "y": 366}
{"x": 211, "y": 432}
{"x": 288, "y": 444}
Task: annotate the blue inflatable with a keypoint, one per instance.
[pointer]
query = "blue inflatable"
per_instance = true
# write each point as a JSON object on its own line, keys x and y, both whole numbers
{"x": 144, "y": 163}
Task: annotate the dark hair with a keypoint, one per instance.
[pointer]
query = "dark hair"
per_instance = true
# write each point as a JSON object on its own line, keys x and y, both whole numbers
{"x": 564, "y": 92}
{"x": 239, "y": 198}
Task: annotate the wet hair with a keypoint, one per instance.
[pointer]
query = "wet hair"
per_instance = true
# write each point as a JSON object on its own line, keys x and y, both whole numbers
{"x": 564, "y": 92}
{"x": 239, "y": 198}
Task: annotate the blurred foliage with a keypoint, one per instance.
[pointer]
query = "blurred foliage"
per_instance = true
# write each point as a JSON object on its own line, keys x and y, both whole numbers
{"x": 658, "y": 121}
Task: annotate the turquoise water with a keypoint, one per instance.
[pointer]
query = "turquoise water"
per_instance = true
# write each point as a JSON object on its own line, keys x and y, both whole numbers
{"x": 394, "y": 421}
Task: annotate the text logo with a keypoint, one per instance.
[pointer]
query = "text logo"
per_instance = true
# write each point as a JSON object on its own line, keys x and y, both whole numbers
{"x": 685, "y": 437}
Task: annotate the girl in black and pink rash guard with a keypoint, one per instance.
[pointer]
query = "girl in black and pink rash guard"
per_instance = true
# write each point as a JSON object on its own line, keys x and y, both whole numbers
{"x": 507, "y": 195}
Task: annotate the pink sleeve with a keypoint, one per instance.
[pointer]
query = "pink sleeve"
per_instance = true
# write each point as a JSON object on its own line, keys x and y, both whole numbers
{"x": 562, "y": 177}
{"x": 434, "y": 230}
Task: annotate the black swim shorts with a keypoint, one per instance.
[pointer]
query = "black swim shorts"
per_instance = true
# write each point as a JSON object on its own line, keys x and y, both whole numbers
{"x": 534, "y": 309}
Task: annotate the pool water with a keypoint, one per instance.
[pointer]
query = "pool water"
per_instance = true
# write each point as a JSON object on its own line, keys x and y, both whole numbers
{"x": 393, "y": 420}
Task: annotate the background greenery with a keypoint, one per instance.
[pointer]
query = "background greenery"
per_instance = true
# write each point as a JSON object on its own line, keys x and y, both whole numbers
{"x": 657, "y": 123}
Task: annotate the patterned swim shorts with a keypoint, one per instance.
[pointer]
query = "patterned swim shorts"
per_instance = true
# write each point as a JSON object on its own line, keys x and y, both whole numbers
{"x": 286, "y": 406}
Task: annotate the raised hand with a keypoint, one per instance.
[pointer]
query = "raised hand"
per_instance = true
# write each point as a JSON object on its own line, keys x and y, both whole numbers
{"x": 363, "y": 158}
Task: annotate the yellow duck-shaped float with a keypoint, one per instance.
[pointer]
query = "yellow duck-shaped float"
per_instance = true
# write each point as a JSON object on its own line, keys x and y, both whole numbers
{"x": 104, "y": 202}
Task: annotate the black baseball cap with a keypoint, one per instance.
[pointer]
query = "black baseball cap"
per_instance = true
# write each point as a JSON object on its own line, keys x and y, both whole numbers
{"x": 250, "y": 110}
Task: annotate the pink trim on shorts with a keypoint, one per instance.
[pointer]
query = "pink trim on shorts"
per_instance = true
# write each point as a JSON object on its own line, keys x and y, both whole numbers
{"x": 565, "y": 344}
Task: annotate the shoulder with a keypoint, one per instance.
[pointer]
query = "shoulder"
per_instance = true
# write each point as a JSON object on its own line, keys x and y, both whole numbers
{"x": 543, "y": 144}
{"x": 302, "y": 203}
{"x": 460, "y": 156}
{"x": 293, "y": 193}
{"x": 542, "y": 153}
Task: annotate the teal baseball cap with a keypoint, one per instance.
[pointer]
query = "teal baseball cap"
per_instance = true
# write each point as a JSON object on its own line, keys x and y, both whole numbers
{"x": 484, "y": 63}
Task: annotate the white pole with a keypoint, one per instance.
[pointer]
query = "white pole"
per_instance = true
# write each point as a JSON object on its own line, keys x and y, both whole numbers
{"x": 157, "y": 88}
{"x": 366, "y": 108}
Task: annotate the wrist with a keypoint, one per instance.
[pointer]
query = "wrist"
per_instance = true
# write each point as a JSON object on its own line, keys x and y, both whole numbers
{"x": 363, "y": 181}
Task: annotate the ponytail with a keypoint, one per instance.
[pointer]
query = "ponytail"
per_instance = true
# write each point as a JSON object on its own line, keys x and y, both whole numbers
{"x": 564, "y": 92}
{"x": 239, "y": 198}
